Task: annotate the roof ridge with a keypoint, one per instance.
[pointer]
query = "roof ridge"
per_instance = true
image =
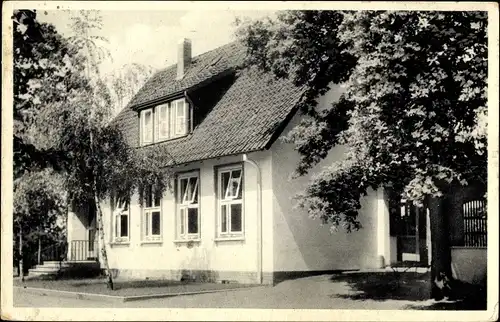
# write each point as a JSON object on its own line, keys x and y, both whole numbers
{"x": 199, "y": 56}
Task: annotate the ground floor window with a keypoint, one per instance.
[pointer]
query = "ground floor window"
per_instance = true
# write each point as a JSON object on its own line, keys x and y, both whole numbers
{"x": 188, "y": 210}
{"x": 121, "y": 220}
{"x": 230, "y": 201}
{"x": 151, "y": 215}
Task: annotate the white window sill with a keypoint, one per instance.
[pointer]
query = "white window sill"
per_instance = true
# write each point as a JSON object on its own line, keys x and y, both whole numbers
{"x": 229, "y": 238}
{"x": 145, "y": 242}
{"x": 185, "y": 241}
{"x": 118, "y": 243}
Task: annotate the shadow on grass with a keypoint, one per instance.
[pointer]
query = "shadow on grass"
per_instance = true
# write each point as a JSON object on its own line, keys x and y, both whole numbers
{"x": 466, "y": 297}
{"x": 409, "y": 286}
{"x": 383, "y": 286}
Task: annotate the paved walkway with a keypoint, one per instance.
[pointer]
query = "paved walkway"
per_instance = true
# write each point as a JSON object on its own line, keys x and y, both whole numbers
{"x": 318, "y": 292}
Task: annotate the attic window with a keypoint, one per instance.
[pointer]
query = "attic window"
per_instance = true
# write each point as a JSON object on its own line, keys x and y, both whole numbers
{"x": 165, "y": 122}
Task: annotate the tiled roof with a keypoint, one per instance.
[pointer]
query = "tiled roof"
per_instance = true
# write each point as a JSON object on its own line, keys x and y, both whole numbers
{"x": 245, "y": 119}
{"x": 202, "y": 68}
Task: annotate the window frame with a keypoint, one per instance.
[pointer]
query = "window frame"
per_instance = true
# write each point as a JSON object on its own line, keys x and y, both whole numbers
{"x": 172, "y": 123}
{"x": 229, "y": 200}
{"x": 117, "y": 217}
{"x": 147, "y": 218}
{"x": 185, "y": 109}
{"x": 166, "y": 108}
{"x": 143, "y": 127}
{"x": 185, "y": 205}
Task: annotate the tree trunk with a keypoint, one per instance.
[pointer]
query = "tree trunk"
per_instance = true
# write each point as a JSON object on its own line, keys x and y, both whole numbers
{"x": 21, "y": 268}
{"x": 104, "y": 254}
{"x": 39, "y": 262}
{"x": 441, "y": 276}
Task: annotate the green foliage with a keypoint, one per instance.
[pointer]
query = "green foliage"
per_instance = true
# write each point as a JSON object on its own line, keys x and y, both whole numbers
{"x": 101, "y": 163}
{"x": 42, "y": 79}
{"x": 39, "y": 199}
{"x": 125, "y": 82}
{"x": 413, "y": 113}
{"x": 62, "y": 112}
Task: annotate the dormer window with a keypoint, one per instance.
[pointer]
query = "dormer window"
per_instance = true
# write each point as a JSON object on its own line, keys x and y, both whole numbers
{"x": 166, "y": 121}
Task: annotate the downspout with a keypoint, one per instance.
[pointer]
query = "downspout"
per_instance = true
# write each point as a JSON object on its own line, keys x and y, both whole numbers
{"x": 259, "y": 217}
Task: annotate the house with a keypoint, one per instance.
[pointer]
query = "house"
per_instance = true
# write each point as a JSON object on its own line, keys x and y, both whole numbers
{"x": 231, "y": 214}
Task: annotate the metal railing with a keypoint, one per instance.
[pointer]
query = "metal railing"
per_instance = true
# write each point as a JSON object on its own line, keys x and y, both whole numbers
{"x": 82, "y": 250}
{"x": 56, "y": 252}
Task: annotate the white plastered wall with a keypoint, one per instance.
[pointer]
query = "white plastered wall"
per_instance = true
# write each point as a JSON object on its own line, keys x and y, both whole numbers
{"x": 141, "y": 260}
{"x": 303, "y": 244}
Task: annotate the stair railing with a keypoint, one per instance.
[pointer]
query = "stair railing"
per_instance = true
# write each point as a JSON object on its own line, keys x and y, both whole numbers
{"x": 82, "y": 250}
{"x": 56, "y": 252}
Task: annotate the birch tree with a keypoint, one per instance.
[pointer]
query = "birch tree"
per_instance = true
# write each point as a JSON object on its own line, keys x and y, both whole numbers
{"x": 101, "y": 163}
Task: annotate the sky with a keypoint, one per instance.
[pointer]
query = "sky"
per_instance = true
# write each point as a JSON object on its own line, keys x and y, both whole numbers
{"x": 151, "y": 37}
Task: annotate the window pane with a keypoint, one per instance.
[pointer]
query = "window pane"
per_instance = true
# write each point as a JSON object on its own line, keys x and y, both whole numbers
{"x": 157, "y": 199}
{"x": 193, "y": 220}
{"x": 181, "y": 126}
{"x": 236, "y": 217}
{"x": 182, "y": 219}
{"x": 181, "y": 117}
{"x": 236, "y": 183}
{"x": 163, "y": 121}
{"x": 182, "y": 190}
{"x": 171, "y": 119}
{"x": 224, "y": 184}
{"x": 148, "y": 202}
{"x": 155, "y": 223}
{"x": 223, "y": 215}
{"x": 124, "y": 226}
{"x": 240, "y": 188}
{"x": 180, "y": 108}
{"x": 148, "y": 128}
{"x": 193, "y": 187}
{"x": 124, "y": 205}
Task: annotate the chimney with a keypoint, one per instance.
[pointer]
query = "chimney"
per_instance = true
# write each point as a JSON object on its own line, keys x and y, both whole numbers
{"x": 183, "y": 57}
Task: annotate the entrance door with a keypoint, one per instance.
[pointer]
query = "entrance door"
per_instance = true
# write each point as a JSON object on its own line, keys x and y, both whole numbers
{"x": 411, "y": 233}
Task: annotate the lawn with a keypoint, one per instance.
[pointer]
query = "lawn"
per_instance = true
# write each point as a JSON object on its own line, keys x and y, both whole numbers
{"x": 127, "y": 288}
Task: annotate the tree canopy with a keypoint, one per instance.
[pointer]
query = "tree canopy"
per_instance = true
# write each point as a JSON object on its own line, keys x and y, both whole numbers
{"x": 67, "y": 149}
{"x": 413, "y": 113}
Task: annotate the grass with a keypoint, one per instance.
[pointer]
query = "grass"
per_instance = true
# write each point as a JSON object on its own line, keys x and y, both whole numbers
{"x": 126, "y": 288}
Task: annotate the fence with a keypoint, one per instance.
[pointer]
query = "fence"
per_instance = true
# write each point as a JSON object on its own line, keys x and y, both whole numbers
{"x": 55, "y": 252}
{"x": 475, "y": 223}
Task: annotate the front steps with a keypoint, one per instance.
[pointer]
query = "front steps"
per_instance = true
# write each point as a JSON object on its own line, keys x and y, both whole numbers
{"x": 55, "y": 269}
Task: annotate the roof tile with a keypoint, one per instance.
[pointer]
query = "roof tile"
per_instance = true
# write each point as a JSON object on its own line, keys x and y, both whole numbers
{"x": 243, "y": 120}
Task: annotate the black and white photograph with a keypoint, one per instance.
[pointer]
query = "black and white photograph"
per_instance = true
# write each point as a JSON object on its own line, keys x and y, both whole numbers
{"x": 336, "y": 162}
